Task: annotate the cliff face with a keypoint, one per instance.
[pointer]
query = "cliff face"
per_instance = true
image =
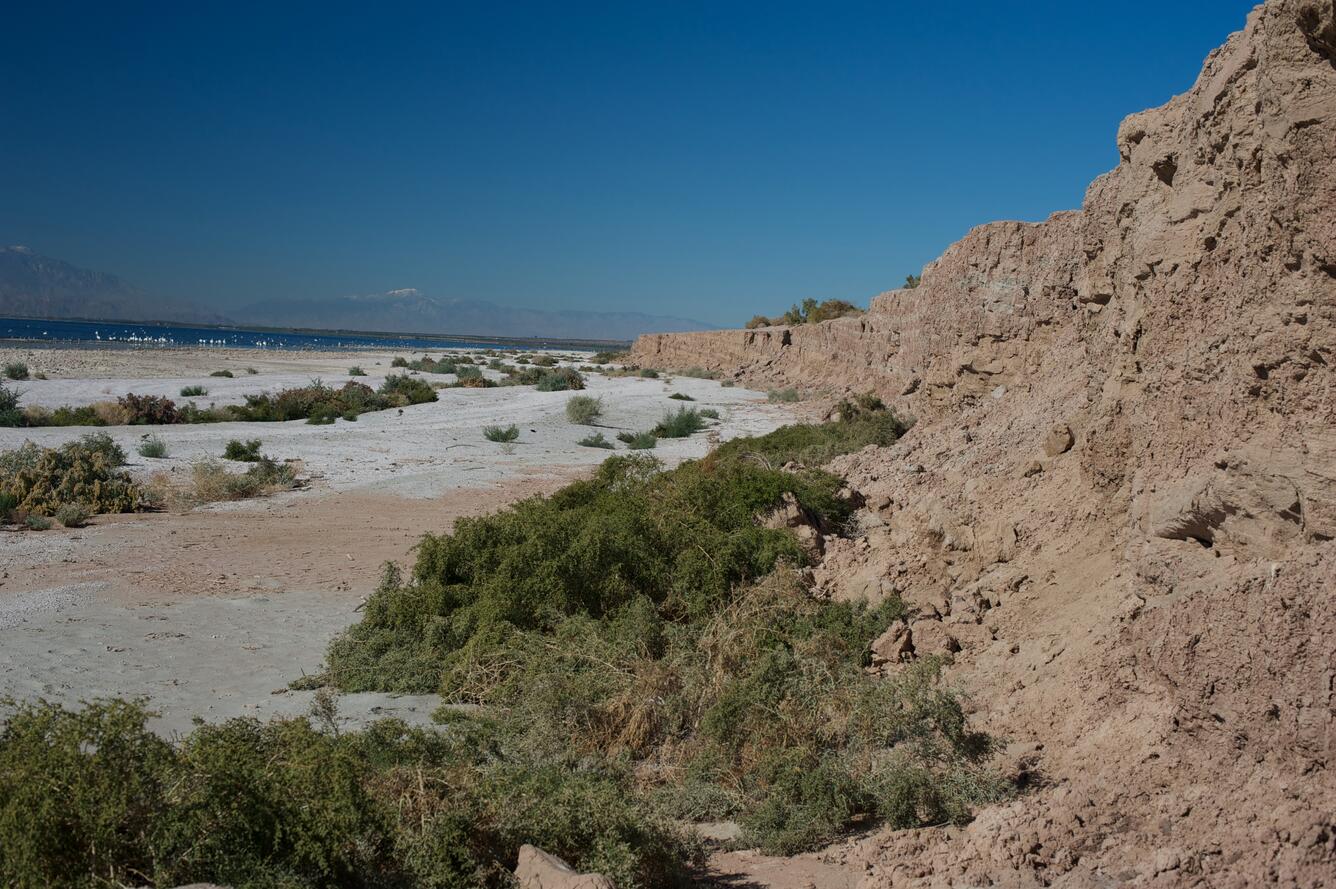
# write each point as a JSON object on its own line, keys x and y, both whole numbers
{"x": 1120, "y": 497}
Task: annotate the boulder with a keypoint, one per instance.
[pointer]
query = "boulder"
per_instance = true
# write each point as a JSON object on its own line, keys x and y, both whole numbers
{"x": 931, "y": 637}
{"x": 539, "y": 870}
{"x": 892, "y": 646}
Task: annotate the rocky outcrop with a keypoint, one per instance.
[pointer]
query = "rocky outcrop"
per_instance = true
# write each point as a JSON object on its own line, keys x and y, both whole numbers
{"x": 1116, "y": 509}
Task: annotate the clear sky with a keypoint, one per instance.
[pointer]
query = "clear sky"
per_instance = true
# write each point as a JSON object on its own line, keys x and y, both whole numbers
{"x": 708, "y": 160}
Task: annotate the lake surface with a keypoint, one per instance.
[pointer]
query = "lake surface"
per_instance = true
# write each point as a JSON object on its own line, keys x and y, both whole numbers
{"x": 126, "y": 333}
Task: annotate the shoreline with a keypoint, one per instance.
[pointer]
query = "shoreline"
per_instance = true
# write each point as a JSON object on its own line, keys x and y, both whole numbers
{"x": 379, "y": 338}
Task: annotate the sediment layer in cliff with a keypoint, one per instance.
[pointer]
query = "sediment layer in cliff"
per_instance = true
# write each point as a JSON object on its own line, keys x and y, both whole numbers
{"x": 1117, "y": 506}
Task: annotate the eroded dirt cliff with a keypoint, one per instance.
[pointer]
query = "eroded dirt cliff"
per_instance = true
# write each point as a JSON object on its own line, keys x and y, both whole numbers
{"x": 1117, "y": 506}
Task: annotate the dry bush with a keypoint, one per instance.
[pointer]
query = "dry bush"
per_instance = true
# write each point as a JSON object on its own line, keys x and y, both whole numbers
{"x": 211, "y": 481}
{"x": 111, "y": 413}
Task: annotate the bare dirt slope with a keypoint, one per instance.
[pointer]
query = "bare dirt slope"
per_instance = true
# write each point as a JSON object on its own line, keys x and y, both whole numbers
{"x": 1119, "y": 499}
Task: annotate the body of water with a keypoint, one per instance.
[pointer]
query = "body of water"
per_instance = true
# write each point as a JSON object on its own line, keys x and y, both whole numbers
{"x": 125, "y": 333}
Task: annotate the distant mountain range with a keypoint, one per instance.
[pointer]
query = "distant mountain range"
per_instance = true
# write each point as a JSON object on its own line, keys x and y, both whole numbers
{"x": 39, "y": 286}
{"x": 32, "y": 285}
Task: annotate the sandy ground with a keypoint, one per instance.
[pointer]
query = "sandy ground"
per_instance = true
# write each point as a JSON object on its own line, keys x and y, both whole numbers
{"x": 211, "y": 613}
{"x": 423, "y": 451}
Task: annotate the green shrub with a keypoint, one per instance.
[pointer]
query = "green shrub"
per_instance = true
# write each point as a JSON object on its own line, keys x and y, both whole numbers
{"x": 222, "y": 373}
{"x": 699, "y": 373}
{"x": 153, "y": 447}
{"x": 10, "y": 415}
{"x": 402, "y": 390}
{"x": 87, "y": 471}
{"x": 709, "y": 413}
{"x": 16, "y": 370}
{"x": 584, "y": 409}
{"x": 649, "y": 373}
{"x": 399, "y": 361}
{"x": 727, "y": 384}
{"x": 35, "y": 522}
{"x": 560, "y": 379}
{"x": 189, "y": 391}
{"x": 544, "y": 361}
{"x": 246, "y": 452}
{"x": 72, "y": 515}
{"x": 645, "y": 617}
{"x": 92, "y": 798}
{"x": 595, "y": 441}
{"x": 810, "y": 312}
{"x": 813, "y": 444}
{"x": 680, "y": 396}
{"x": 356, "y": 371}
{"x": 681, "y": 423}
{"x": 783, "y": 396}
{"x": 638, "y": 441}
{"x": 501, "y": 433}
{"x": 252, "y": 371}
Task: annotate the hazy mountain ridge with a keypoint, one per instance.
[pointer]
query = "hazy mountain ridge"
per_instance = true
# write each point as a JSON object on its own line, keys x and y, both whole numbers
{"x": 411, "y": 310}
{"x": 33, "y": 285}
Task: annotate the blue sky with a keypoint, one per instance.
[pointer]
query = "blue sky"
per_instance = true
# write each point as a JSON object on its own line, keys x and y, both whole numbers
{"x": 708, "y": 160}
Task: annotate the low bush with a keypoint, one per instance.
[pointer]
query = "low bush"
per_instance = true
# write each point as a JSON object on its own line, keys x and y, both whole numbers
{"x": 609, "y": 357}
{"x": 35, "y": 522}
{"x": 72, "y": 515}
{"x": 681, "y": 423}
{"x": 245, "y": 452}
{"x": 638, "y": 441}
{"x": 252, "y": 371}
{"x": 810, "y": 312}
{"x": 680, "y": 396}
{"x": 560, "y": 379}
{"x": 87, "y": 471}
{"x": 222, "y": 373}
{"x": 427, "y": 364}
{"x": 16, "y": 370}
{"x": 403, "y": 390}
{"x": 649, "y": 373}
{"x": 211, "y": 481}
{"x": 501, "y": 434}
{"x": 863, "y": 422}
{"x": 699, "y": 373}
{"x": 153, "y": 447}
{"x": 544, "y": 361}
{"x": 709, "y": 413}
{"x": 147, "y": 410}
{"x": 92, "y": 798}
{"x": 596, "y": 441}
{"x": 646, "y": 617}
{"x": 783, "y": 396}
{"x": 190, "y": 391}
{"x": 356, "y": 371}
{"x": 584, "y": 409}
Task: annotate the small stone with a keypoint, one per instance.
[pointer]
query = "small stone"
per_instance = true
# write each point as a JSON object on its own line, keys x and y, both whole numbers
{"x": 1059, "y": 440}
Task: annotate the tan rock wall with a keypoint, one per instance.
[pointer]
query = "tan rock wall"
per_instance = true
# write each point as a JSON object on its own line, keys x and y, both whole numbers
{"x": 1153, "y": 605}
